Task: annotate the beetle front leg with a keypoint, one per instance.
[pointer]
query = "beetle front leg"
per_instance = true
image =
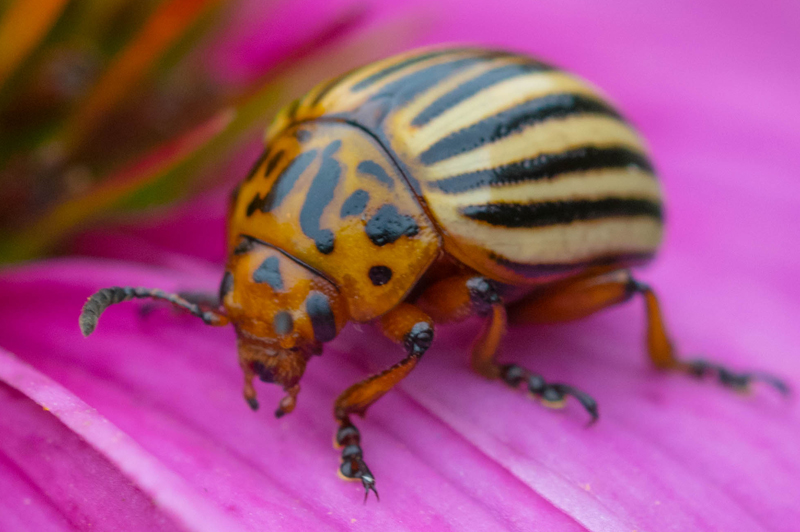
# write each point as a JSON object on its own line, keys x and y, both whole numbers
{"x": 407, "y": 325}
{"x": 455, "y": 299}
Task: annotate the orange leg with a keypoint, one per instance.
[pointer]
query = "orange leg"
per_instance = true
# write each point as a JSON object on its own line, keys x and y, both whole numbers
{"x": 412, "y": 328}
{"x": 576, "y": 298}
{"x": 456, "y": 298}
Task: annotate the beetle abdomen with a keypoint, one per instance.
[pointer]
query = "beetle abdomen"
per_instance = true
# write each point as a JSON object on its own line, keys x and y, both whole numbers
{"x": 528, "y": 171}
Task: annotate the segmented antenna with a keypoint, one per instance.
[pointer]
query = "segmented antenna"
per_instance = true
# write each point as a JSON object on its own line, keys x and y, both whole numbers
{"x": 106, "y": 297}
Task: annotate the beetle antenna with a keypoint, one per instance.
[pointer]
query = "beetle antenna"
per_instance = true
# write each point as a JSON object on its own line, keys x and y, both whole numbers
{"x": 102, "y": 299}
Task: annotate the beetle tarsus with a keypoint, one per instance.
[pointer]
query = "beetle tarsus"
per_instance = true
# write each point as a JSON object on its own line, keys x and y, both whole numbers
{"x": 353, "y": 466}
{"x": 735, "y": 380}
{"x": 551, "y": 394}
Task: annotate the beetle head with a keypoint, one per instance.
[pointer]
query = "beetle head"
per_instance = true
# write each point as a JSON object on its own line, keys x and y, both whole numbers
{"x": 283, "y": 311}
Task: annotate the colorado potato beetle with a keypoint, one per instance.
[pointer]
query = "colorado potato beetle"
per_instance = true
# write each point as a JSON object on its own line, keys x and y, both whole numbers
{"x": 420, "y": 190}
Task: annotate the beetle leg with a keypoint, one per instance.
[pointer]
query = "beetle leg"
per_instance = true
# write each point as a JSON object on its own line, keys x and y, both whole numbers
{"x": 579, "y": 297}
{"x": 455, "y": 299}
{"x": 407, "y": 325}
{"x": 552, "y": 395}
{"x": 663, "y": 355}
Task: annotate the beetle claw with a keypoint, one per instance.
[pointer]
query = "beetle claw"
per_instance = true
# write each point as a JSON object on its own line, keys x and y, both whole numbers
{"x": 735, "y": 380}
{"x": 551, "y": 395}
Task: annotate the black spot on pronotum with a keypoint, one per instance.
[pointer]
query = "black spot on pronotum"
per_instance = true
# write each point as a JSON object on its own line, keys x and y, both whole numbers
{"x": 387, "y": 225}
{"x": 283, "y": 323}
{"x": 380, "y": 275}
{"x": 269, "y": 272}
{"x": 373, "y": 169}
{"x": 355, "y": 204}
{"x": 225, "y": 286}
{"x": 319, "y": 195}
{"x": 322, "y": 320}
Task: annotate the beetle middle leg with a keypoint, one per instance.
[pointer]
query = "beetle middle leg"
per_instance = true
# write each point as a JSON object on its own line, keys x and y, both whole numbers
{"x": 581, "y": 296}
{"x": 405, "y": 324}
{"x": 455, "y": 299}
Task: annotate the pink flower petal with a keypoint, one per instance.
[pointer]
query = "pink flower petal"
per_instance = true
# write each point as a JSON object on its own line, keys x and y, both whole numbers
{"x": 461, "y": 451}
{"x": 175, "y": 387}
{"x": 71, "y": 465}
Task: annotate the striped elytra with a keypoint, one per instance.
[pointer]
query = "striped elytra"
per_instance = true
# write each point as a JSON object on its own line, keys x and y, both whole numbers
{"x": 518, "y": 170}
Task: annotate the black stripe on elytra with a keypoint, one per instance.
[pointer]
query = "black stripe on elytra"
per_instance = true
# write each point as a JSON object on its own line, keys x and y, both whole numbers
{"x": 559, "y": 212}
{"x": 539, "y": 270}
{"x": 387, "y": 225}
{"x": 319, "y": 195}
{"x": 545, "y": 166}
{"x": 396, "y": 67}
{"x": 513, "y": 120}
{"x": 253, "y": 169}
{"x": 283, "y": 184}
{"x": 355, "y": 204}
{"x": 404, "y": 90}
{"x": 375, "y": 170}
{"x": 474, "y": 86}
{"x": 269, "y": 272}
{"x": 319, "y": 311}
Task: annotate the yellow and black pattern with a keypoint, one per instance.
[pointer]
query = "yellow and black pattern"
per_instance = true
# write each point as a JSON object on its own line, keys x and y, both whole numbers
{"x": 526, "y": 171}
{"x": 329, "y": 195}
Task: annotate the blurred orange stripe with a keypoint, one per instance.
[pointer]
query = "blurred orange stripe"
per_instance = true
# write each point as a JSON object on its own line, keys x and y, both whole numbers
{"x": 66, "y": 217}
{"x": 164, "y": 27}
{"x": 24, "y": 26}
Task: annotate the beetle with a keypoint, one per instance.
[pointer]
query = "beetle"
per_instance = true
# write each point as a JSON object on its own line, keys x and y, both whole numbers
{"x": 423, "y": 189}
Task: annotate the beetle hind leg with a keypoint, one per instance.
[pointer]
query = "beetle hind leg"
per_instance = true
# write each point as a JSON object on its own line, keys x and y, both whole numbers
{"x": 663, "y": 355}
{"x": 579, "y": 297}
{"x": 552, "y": 395}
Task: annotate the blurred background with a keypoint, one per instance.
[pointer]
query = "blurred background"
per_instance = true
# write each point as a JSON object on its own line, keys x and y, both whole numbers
{"x": 123, "y": 123}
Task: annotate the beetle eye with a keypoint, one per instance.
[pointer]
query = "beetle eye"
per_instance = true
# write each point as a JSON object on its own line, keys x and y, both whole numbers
{"x": 283, "y": 322}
